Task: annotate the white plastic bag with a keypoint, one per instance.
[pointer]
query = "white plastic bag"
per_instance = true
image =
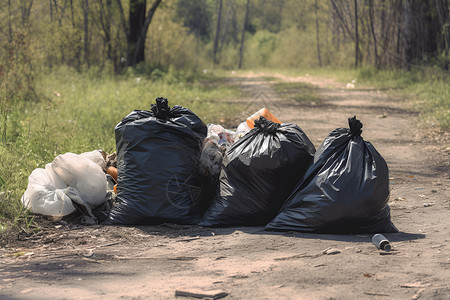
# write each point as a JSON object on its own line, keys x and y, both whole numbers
{"x": 70, "y": 177}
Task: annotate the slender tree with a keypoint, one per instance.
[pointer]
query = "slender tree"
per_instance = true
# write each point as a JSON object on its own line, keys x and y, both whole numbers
{"x": 356, "y": 35}
{"x": 86, "y": 30}
{"x": 216, "y": 38}
{"x": 241, "y": 49}
{"x": 316, "y": 9}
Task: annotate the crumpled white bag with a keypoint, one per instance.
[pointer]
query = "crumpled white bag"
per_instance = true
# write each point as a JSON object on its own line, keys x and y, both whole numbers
{"x": 70, "y": 177}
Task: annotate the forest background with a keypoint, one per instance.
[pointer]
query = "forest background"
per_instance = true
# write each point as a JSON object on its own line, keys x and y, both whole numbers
{"x": 70, "y": 70}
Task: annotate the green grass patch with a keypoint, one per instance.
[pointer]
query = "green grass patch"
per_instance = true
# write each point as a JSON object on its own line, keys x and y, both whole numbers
{"x": 428, "y": 88}
{"x": 298, "y": 91}
{"x": 78, "y": 112}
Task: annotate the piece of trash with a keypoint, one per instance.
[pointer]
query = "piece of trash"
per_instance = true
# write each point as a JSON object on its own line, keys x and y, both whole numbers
{"x": 428, "y": 204}
{"x": 345, "y": 190}
{"x": 263, "y": 112}
{"x": 400, "y": 199}
{"x": 214, "y": 294}
{"x": 158, "y": 153}
{"x": 415, "y": 285}
{"x": 332, "y": 251}
{"x": 420, "y": 188}
{"x": 368, "y": 275}
{"x": 350, "y": 86}
{"x": 258, "y": 173}
{"x": 381, "y": 242}
{"x": 242, "y": 129}
{"x": 88, "y": 253}
{"x": 69, "y": 179}
{"x": 113, "y": 172}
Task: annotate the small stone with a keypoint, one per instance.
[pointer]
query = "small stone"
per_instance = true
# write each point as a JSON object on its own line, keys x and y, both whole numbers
{"x": 332, "y": 251}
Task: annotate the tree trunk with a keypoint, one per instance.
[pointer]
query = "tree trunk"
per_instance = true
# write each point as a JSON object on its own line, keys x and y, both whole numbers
{"x": 216, "y": 38}
{"x": 372, "y": 27}
{"x": 225, "y": 27}
{"x": 10, "y": 35}
{"x": 241, "y": 50}
{"x": 356, "y": 35}
{"x": 71, "y": 13}
{"x": 138, "y": 30}
{"x": 86, "y": 30}
{"x": 407, "y": 45}
{"x": 316, "y": 8}
{"x": 51, "y": 10}
{"x": 136, "y": 22}
{"x": 443, "y": 14}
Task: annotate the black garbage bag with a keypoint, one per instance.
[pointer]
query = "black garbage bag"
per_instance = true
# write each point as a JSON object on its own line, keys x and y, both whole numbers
{"x": 346, "y": 190}
{"x": 157, "y": 159}
{"x": 258, "y": 173}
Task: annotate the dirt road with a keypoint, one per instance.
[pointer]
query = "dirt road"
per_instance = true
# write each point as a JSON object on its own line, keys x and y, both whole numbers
{"x": 152, "y": 262}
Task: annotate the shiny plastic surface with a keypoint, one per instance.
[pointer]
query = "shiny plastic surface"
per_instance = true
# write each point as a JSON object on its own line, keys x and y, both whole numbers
{"x": 346, "y": 190}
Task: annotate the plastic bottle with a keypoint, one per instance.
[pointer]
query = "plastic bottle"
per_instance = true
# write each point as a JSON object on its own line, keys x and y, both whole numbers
{"x": 381, "y": 242}
{"x": 264, "y": 112}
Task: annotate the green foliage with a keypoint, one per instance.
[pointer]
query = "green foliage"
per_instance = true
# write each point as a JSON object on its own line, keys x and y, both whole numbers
{"x": 171, "y": 45}
{"x": 197, "y": 16}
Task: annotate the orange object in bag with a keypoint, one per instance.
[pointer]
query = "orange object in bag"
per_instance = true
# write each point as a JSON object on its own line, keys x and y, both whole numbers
{"x": 263, "y": 112}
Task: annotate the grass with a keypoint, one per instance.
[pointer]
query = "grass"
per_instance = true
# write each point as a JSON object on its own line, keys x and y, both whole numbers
{"x": 78, "y": 113}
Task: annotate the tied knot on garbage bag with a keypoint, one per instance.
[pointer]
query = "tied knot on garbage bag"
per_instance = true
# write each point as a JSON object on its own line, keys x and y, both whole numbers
{"x": 161, "y": 109}
{"x": 266, "y": 126}
{"x": 355, "y": 126}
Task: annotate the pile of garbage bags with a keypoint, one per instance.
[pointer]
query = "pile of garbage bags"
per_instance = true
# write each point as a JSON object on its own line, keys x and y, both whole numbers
{"x": 173, "y": 168}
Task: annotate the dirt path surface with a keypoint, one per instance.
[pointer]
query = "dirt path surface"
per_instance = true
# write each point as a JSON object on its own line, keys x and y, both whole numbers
{"x": 152, "y": 262}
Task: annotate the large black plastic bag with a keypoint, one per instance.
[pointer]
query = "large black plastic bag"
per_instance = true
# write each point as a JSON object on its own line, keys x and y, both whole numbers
{"x": 157, "y": 159}
{"x": 258, "y": 173}
{"x": 346, "y": 190}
